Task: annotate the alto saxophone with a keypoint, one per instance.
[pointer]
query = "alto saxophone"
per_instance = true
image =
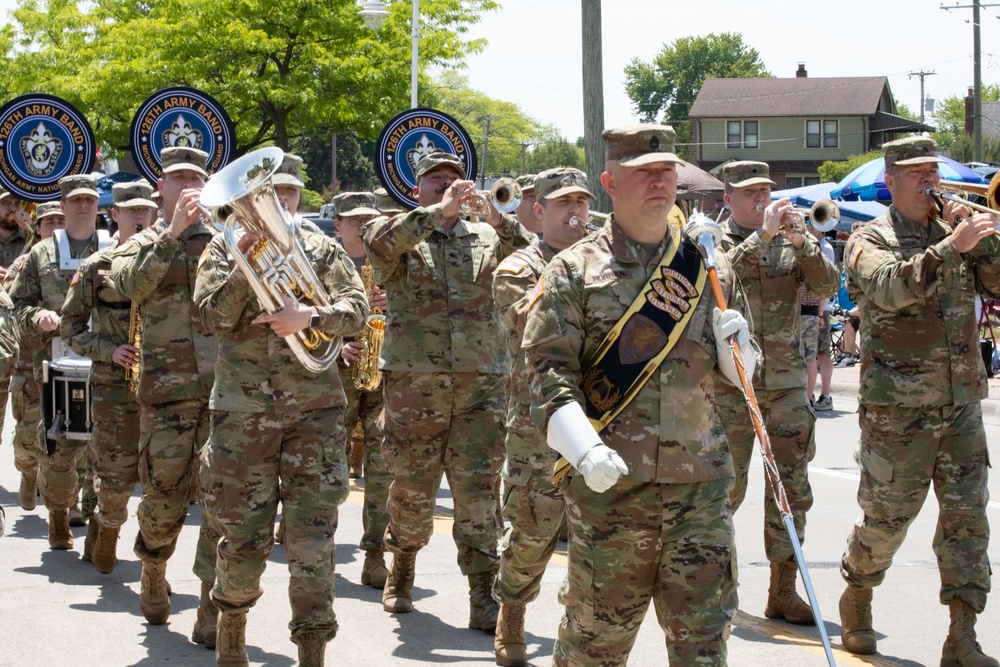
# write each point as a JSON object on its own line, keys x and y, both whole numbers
{"x": 135, "y": 340}
{"x": 366, "y": 374}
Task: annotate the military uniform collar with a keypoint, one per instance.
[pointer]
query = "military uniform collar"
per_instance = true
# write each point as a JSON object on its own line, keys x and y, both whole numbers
{"x": 197, "y": 228}
{"x": 545, "y": 250}
{"x": 627, "y": 250}
{"x": 730, "y": 227}
{"x": 461, "y": 228}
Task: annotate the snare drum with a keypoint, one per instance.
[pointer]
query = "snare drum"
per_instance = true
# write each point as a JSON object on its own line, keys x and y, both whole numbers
{"x": 66, "y": 399}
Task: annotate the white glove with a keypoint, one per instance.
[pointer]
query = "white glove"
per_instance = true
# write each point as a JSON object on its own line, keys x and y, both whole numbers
{"x": 571, "y": 434}
{"x": 726, "y": 324}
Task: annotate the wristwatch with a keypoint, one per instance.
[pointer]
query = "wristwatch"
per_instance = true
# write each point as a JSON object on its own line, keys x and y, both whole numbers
{"x": 314, "y": 321}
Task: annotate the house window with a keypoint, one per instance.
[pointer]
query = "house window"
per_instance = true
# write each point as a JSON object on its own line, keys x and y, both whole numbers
{"x": 800, "y": 181}
{"x": 821, "y": 134}
{"x": 741, "y": 134}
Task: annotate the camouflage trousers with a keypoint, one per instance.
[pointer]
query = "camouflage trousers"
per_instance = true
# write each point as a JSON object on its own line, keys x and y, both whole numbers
{"x": 449, "y": 423}
{"x": 902, "y": 453}
{"x": 114, "y": 451}
{"x": 26, "y": 409}
{"x": 63, "y": 472}
{"x": 366, "y": 406}
{"x": 790, "y": 424}
{"x": 171, "y": 436}
{"x": 252, "y": 459}
{"x": 4, "y": 397}
{"x": 672, "y": 543}
{"x": 535, "y": 511}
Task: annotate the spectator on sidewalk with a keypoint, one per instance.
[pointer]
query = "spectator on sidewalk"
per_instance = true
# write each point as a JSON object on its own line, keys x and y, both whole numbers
{"x": 851, "y": 327}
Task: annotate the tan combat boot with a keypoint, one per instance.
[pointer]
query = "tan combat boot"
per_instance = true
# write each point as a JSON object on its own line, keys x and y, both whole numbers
{"x": 90, "y": 541}
{"x": 397, "y": 597}
{"x": 153, "y": 598}
{"x": 231, "y": 640}
{"x": 374, "y": 573}
{"x": 76, "y": 516}
{"x": 483, "y": 609}
{"x": 60, "y": 536}
{"x": 961, "y": 648}
{"x": 782, "y": 599}
{"x": 206, "y": 619}
{"x": 26, "y": 492}
{"x": 105, "y": 554}
{"x": 856, "y": 631}
{"x": 312, "y": 649}
{"x": 509, "y": 645}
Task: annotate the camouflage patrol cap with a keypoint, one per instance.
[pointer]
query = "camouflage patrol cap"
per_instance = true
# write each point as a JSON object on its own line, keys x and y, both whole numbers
{"x": 911, "y": 150}
{"x": 643, "y": 143}
{"x": 553, "y": 183}
{"x": 527, "y": 182}
{"x": 432, "y": 161}
{"x": 48, "y": 209}
{"x": 78, "y": 184}
{"x": 744, "y": 173}
{"x": 384, "y": 203}
{"x": 180, "y": 158}
{"x": 133, "y": 195}
{"x": 289, "y": 172}
{"x": 349, "y": 204}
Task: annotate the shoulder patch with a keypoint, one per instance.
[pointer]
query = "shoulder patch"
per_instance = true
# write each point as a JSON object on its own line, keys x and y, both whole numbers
{"x": 855, "y": 254}
{"x": 511, "y": 265}
{"x": 537, "y": 292}
{"x": 201, "y": 260}
{"x": 129, "y": 246}
{"x": 75, "y": 279}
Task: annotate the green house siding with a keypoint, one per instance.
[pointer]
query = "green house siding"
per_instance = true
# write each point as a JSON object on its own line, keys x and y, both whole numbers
{"x": 781, "y": 139}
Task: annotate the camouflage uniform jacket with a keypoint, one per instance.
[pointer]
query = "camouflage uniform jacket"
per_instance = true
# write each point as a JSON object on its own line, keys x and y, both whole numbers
{"x": 95, "y": 317}
{"x": 256, "y": 370}
{"x": 770, "y": 276}
{"x": 178, "y": 353}
{"x": 915, "y": 291}
{"x": 670, "y": 432}
{"x": 515, "y": 278}
{"x": 11, "y": 248}
{"x": 39, "y": 284}
{"x": 8, "y": 337}
{"x": 29, "y": 339}
{"x": 441, "y": 314}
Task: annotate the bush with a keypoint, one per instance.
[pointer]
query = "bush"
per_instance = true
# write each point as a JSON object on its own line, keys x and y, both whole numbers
{"x": 834, "y": 172}
{"x": 310, "y": 201}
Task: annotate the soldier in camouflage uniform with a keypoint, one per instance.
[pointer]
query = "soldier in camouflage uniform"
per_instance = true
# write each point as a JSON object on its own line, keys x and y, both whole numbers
{"x": 354, "y": 210}
{"x": 914, "y": 278}
{"x": 39, "y": 291}
{"x": 649, "y": 508}
{"x": 532, "y": 505}
{"x": 273, "y": 421}
{"x": 12, "y": 239}
{"x": 96, "y": 322}
{"x": 25, "y": 390}
{"x": 525, "y": 212}
{"x": 445, "y": 380}
{"x": 770, "y": 268}
{"x": 156, "y": 268}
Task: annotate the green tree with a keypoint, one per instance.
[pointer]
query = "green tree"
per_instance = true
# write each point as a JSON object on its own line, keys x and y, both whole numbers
{"x": 665, "y": 88}
{"x": 963, "y": 148}
{"x": 281, "y": 71}
{"x": 557, "y": 152}
{"x": 833, "y": 172}
{"x": 949, "y": 119}
{"x": 904, "y": 111}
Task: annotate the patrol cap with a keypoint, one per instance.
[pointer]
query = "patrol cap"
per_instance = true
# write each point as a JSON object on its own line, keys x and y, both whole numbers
{"x": 527, "y": 182}
{"x": 911, "y": 150}
{"x": 744, "y": 173}
{"x": 179, "y": 158}
{"x": 289, "y": 173}
{"x": 437, "y": 159}
{"x": 639, "y": 144}
{"x": 133, "y": 195}
{"x": 384, "y": 203}
{"x": 47, "y": 209}
{"x": 553, "y": 183}
{"x": 350, "y": 204}
{"x": 78, "y": 184}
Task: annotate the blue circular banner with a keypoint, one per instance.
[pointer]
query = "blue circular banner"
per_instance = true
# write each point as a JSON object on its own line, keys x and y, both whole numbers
{"x": 407, "y": 138}
{"x": 181, "y": 117}
{"x": 42, "y": 139}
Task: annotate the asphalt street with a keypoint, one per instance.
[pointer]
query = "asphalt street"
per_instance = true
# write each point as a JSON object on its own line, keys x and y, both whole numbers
{"x": 55, "y": 609}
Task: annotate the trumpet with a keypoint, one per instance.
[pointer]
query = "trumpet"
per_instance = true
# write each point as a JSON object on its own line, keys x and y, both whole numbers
{"x": 27, "y": 227}
{"x": 824, "y": 216}
{"x": 590, "y": 225}
{"x": 506, "y": 194}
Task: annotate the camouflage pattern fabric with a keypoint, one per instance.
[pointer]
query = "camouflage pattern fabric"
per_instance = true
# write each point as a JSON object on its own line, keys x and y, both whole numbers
{"x": 95, "y": 321}
{"x": 533, "y": 508}
{"x": 824, "y": 344}
{"x": 40, "y": 285}
{"x": 809, "y": 344}
{"x": 25, "y": 390}
{"x": 673, "y": 443}
{"x": 11, "y": 248}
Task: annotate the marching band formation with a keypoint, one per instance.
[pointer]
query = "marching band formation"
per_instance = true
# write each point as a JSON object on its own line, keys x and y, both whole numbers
{"x": 599, "y": 381}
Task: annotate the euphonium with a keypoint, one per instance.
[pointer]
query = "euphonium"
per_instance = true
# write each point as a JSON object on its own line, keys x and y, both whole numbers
{"x": 242, "y": 194}
{"x": 135, "y": 340}
{"x": 366, "y": 374}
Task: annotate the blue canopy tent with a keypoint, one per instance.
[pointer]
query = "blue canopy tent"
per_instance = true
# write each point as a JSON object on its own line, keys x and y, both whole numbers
{"x": 850, "y": 212}
{"x": 867, "y": 182}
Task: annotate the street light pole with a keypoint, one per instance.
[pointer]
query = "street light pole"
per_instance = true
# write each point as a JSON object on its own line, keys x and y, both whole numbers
{"x": 415, "y": 35}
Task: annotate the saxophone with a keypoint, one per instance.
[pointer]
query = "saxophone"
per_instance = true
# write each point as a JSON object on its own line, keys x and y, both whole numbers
{"x": 366, "y": 374}
{"x": 134, "y": 339}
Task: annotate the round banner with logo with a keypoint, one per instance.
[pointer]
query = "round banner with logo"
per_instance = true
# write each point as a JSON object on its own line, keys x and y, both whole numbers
{"x": 42, "y": 139}
{"x": 407, "y": 138}
{"x": 181, "y": 117}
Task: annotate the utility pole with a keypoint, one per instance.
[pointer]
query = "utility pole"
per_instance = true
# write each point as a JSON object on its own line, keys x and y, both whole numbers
{"x": 486, "y": 154}
{"x": 333, "y": 183}
{"x": 923, "y": 75}
{"x": 977, "y": 57}
{"x": 593, "y": 101}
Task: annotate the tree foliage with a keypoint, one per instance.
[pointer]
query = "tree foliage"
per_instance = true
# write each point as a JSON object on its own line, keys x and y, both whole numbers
{"x": 557, "y": 152}
{"x": 281, "y": 70}
{"x": 949, "y": 119}
{"x": 834, "y": 172}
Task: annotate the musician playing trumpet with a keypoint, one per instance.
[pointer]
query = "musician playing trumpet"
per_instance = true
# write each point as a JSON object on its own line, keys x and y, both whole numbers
{"x": 773, "y": 258}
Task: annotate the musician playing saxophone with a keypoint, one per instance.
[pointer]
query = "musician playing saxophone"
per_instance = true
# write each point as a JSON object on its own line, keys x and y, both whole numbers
{"x": 95, "y": 323}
